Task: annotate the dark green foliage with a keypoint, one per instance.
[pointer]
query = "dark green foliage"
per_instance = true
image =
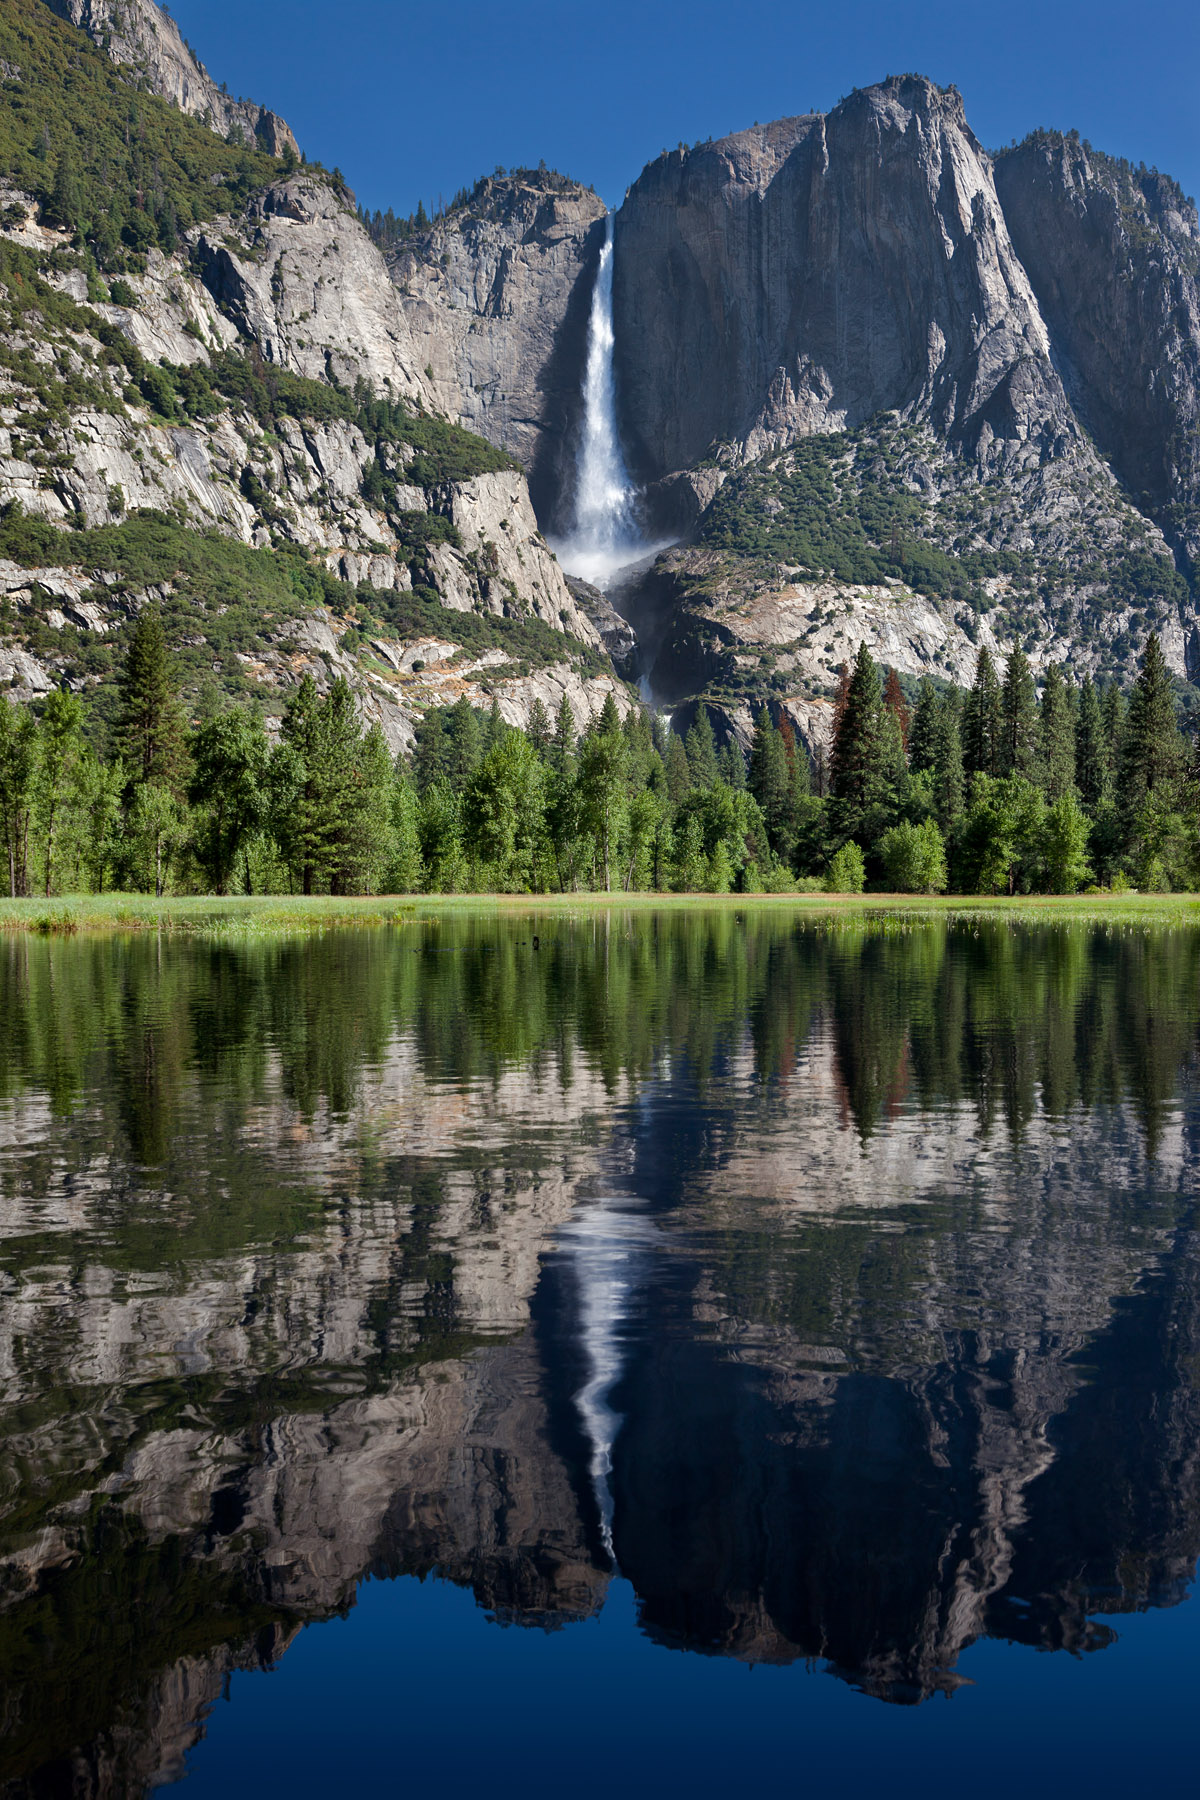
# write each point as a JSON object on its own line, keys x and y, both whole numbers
{"x": 1019, "y": 719}
{"x": 1092, "y": 763}
{"x": 108, "y": 160}
{"x": 949, "y": 781}
{"x": 701, "y": 750}
{"x": 982, "y": 721}
{"x": 228, "y": 789}
{"x": 150, "y": 732}
{"x": 1056, "y": 737}
{"x": 1152, "y": 752}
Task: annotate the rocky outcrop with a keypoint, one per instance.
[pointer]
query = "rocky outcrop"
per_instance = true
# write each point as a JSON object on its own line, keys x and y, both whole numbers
{"x": 300, "y": 277}
{"x": 806, "y": 275}
{"x": 496, "y": 297}
{"x": 144, "y": 37}
{"x": 1113, "y": 254}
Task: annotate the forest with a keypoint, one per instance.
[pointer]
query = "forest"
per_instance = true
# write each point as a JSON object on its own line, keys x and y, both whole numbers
{"x": 996, "y": 790}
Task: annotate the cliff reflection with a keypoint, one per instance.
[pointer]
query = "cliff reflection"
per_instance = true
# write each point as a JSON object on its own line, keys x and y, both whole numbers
{"x": 898, "y": 1348}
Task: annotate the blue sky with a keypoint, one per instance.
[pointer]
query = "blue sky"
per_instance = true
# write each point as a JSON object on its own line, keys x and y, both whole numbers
{"x": 415, "y": 100}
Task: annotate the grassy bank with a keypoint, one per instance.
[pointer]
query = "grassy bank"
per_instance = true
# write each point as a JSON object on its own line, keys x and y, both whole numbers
{"x": 241, "y": 915}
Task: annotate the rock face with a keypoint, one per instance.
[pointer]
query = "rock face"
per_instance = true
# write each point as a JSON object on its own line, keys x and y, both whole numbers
{"x": 496, "y": 298}
{"x": 807, "y": 275}
{"x": 1114, "y": 257}
{"x": 144, "y": 37}
{"x": 301, "y": 278}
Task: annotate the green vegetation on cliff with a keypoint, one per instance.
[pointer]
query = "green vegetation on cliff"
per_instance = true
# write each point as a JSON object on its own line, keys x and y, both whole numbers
{"x": 106, "y": 159}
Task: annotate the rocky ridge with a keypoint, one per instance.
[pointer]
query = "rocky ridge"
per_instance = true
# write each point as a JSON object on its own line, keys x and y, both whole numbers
{"x": 144, "y": 37}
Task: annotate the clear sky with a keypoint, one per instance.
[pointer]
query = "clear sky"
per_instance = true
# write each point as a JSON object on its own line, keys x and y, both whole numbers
{"x": 413, "y": 100}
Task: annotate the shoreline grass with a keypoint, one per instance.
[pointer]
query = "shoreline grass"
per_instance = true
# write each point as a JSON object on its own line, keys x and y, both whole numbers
{"x": 68, "y": 915}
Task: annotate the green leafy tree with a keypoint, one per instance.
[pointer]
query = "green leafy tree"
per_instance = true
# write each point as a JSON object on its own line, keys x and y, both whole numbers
{"x": 1065, "y": 833}
{"x": 157, "y": 829}
{"x": 18, "y": 766}
{"x": 922, "y": 729}
{"x": 867, "y": 755}
{"x": 502, "y": 812}
{"x": 948, "y": 781}
{"x": 441, "y": 840}
{"x": 562, "y": 749}
{"x": 228, "y": 792}
{"x": 914, "y": 858}
{"x": 407, "y": 872}
{"x": 678, "y": 770}
{"x": 769, "y": 781}
{"x": 1001, "y": 834}
{"x": 603, "y": 758}
{"x": 60, "y": 747}
{"x": 847, "y": 873}
{"x": 539, "y": 730}
{"x": 1152, "y": 751}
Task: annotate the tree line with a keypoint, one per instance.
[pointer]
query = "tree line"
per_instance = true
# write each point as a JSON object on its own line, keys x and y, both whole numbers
{"x": 987, "y": 791}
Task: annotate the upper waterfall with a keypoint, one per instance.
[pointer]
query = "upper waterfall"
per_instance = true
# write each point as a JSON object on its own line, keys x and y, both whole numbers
{"x": 603, "y": 536}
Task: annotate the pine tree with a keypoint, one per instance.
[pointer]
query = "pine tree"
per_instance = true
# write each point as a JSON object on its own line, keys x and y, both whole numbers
{"x": 1091, "y": 762}
{"x": 922, "y": 732}
{"x": 894, "y": 701}
{"x": 731, "y": 765}
{"x": 1056, "y": 737}
{"x": 981, "y": 721}
{"x": 150, "y": 735}
{"x": 562, "y": 748}
{"x": 679, "y": 775}
{"x": 1152, "y": 751}
{"x": 862, "y": 750}
{"x": 1019, "y": 714}
{"x": 770, "y": 783}
{"x": 948, "y": 782}
{"x": 539, "y": 730}
{"x": 701, "y": 750}
{"x": 1112, "y": 717}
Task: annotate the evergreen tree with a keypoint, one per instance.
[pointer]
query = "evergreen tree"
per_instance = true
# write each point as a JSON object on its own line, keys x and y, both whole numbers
{"x": 894, "y": 701}
{"x": 150, "y": 735}
{"x": 1019, "y": 719}
{"x": 1092, "y": 773}
{"x": 948, "y": 780}
{"x": 562, "y": 749}
{"x": 1112, "y": 715}
{"x": 701, "y": 750}
{"x": 922, "y": 733}
{"x": 539, "y": 730}
{"x": 1152, "y": 751}
{"x": 603, "y": 759}
{"x": 770, "y": 783}
{"x": 679, "y": 775}
{"x": 407, "y": 872}
{"x": 863, "y": 752}
{"x": 982, "y": 722}
{"x": 1056, "y": 737}
{"x": 731, "y": 765}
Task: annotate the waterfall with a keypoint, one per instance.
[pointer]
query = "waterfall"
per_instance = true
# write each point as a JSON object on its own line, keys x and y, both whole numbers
{"x": 603, "y": 535}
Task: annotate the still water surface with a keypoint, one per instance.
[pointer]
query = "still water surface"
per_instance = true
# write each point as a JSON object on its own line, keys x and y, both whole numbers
{"x": 707, "y": 1350}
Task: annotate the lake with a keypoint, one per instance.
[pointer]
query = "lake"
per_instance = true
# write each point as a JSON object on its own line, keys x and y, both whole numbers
{"x": 568, "y": 1352}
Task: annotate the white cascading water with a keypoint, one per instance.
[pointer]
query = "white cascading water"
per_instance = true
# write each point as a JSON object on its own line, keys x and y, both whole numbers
{"x": 605, "y": 1248}
{"x": 603, "y": 536}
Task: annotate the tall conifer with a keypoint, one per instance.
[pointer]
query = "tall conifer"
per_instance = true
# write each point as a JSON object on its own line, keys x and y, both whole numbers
{"x": 1019, "y": 710}
{"x": 981, "y": 720}
{"x": 1056, "y": 737}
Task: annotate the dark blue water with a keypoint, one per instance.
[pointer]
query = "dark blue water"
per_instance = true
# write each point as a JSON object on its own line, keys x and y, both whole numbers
{"x": 711, "y": 1350}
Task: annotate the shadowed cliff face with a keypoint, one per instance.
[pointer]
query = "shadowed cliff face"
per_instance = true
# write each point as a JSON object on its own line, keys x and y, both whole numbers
{"x": 807, "y": 275}
{"x": 1114, "y": 258}
{"x": 896, "y": 1284}
{"x": 496, "y": 298}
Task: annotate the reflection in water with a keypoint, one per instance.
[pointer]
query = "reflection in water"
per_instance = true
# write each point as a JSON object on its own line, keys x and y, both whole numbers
{"x": 840, "y": 1285}
{"x": 602, "y": 1246}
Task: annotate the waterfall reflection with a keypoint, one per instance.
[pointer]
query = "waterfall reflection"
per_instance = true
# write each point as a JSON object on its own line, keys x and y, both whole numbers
{"x": 841, "y": 1283}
